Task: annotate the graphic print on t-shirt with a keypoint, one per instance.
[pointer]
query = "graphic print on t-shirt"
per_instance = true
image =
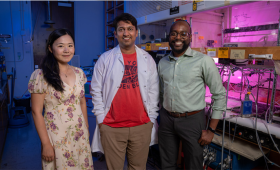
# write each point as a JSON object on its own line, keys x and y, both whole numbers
{"x": 127, "y": 108}
{"x": 130, "y": 77}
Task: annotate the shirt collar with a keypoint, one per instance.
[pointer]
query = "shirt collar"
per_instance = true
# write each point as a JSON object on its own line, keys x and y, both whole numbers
{"x": 188, "y": 53}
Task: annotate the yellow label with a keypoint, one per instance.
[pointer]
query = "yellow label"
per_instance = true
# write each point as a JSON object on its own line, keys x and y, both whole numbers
{"x": 194, "y": 7}
{"x": 223, "y": 52}
{"x": 211, "y": 49}
{"x": 148, "y": 46}
{"x": 158, "y": 44}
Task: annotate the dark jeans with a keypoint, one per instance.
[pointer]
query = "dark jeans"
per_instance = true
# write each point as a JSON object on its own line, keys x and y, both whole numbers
{"x": 189, "y": 130}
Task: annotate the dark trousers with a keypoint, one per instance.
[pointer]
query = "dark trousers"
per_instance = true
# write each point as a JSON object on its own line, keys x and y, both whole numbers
{"x": 189, "y": 130}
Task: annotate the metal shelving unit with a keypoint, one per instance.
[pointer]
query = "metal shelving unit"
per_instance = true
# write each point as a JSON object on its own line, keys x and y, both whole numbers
{"x": 112, "y": 9}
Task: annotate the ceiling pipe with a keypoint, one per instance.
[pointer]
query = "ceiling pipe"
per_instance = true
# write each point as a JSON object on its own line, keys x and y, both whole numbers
{"x": 49, "y": 21}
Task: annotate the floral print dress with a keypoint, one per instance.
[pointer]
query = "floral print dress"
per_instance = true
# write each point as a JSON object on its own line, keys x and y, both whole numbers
{"x": 65, "y": 122}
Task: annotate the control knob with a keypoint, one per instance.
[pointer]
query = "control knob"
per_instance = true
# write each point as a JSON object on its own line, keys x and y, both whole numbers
{"x": 251, "y": 137}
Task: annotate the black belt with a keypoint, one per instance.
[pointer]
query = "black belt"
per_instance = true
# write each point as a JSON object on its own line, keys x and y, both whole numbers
{"x": 177, "y": 114}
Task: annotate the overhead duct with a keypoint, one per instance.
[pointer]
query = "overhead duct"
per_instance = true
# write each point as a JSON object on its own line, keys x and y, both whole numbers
{"x": 49, "y": 21}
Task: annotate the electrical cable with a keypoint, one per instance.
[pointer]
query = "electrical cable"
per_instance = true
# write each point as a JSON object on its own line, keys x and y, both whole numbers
{"x": 277, "y": 102}
{"x": 265, "y": 123}
{"x": 233, "y": 134}
{"x": 243, "y": 92}
{"x": 248, "y": 83}
{"x": 257, "y": 136}
{"x": 218, "y": 166}
{"x": 230, "y": 131}
{"x": 222, "y": 69}
{"x": 265, "y": 116}
{"x": 229, "y": 147}
{"x": 209, "y": 114}
{"x": 234, "y": 130}
{"x": 224, "y": 121}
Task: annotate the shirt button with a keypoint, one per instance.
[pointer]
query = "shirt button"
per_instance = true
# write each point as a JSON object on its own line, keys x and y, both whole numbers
{"x": 144, "y": 86}
{"x": 173, "y": 87}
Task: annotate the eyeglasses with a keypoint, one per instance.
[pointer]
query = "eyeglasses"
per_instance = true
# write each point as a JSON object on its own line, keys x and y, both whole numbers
{"x": 182, "y": 34}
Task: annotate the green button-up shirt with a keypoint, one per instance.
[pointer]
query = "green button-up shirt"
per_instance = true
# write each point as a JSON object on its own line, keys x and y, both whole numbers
{"x": 182, "y": 83}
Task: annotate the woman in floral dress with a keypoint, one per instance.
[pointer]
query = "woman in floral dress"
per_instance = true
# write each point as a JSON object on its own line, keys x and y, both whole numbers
{"x": 59, "y": 88}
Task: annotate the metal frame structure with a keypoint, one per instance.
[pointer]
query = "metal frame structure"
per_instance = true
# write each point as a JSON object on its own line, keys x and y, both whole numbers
{"x": 259, "y": 69}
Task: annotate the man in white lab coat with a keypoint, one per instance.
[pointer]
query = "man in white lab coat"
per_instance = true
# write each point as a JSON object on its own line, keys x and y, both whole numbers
{"x": 125, "y": 95}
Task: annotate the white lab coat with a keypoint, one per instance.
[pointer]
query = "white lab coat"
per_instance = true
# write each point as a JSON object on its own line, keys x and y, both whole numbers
{"x": 107, "y": 77}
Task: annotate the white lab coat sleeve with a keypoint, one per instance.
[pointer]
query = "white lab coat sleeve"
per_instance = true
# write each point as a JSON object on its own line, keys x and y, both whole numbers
{"x": 96, "y": 89}
{"x": 153, "y": 92}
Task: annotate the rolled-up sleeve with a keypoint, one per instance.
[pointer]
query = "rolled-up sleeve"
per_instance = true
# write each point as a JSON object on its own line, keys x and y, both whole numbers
{"x": 214, "y": 82}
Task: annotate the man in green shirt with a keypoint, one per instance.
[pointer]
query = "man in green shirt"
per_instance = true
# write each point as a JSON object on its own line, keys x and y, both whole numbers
{"x": 183, "y": 75}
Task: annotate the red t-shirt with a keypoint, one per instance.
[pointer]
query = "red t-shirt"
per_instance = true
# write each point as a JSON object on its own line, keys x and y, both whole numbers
{"x": 127, "y": 109}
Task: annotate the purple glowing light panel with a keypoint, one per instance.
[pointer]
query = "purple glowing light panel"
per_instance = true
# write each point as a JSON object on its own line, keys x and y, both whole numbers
{"x": 254, "y": 14}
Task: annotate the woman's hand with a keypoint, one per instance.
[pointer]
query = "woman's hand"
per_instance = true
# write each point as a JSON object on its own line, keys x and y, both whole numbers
{"x": 48, "y": 152}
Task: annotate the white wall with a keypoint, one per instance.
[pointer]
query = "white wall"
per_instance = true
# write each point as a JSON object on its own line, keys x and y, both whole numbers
{"x": 207, "y": 25}
{"x": 253, "y": 14}
{"x": 158, "y": 31}
{"x": 89, "y": 30}
{"x": 16, "y": 20}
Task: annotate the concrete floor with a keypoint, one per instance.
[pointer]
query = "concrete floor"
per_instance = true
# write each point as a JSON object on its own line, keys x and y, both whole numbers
{"x": 22, "y": 149}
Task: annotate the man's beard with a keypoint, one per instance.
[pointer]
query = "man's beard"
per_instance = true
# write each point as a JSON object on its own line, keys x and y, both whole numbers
{"x": 179, "y": 51}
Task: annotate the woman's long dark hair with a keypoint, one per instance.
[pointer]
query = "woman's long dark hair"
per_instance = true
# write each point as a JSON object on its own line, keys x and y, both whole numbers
{"x": 49, "y": 64}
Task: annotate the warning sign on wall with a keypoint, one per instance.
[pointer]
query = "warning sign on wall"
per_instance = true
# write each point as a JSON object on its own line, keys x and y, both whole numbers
{"x": 223, "y": 52}
{"x": 148, "y": 46}
{"x": 211, "y": 52}
{"x": 198, "y": 5}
